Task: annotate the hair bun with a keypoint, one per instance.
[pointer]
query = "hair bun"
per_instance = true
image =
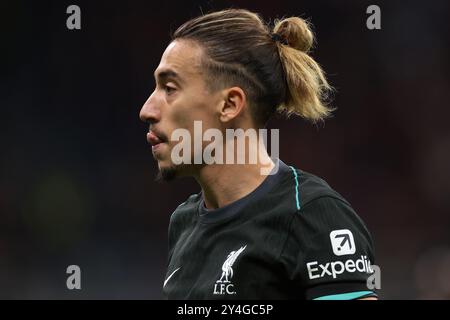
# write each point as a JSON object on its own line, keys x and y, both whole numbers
{"x": 296, "y": 31}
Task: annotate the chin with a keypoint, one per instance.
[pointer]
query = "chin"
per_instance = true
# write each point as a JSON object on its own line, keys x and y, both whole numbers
{"x": 166, "y": 172}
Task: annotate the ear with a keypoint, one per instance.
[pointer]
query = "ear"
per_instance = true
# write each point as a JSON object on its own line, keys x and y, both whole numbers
{"x": 234, "y": 103}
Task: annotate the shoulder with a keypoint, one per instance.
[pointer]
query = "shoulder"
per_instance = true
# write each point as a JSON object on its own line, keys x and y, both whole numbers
{"x": 186, "y": 210}
{"x": 314, "y": 189}
{"x": 325, "y": 216}
{"x": 299, "y": 189}
{"x": 322, "y": 209}
{"x": 326, "y": 207}
{"x": 318, "y": 200}
{"x": 184, "y": 217}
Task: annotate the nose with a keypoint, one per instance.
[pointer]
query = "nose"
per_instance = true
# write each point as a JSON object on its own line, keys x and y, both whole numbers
{"x": 150, "y": 113}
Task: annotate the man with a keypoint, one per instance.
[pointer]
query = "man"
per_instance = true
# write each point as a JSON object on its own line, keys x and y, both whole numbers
{"x": 247, "y": 235}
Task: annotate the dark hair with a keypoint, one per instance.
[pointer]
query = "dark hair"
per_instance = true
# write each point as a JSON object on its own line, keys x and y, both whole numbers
{"x": 276, "y": 73}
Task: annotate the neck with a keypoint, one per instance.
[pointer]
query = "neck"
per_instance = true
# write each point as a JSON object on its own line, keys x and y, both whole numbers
{"x": 223, "y": 184}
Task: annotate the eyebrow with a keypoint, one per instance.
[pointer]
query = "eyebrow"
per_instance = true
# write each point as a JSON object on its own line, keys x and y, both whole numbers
{"x": 168, "y": 73}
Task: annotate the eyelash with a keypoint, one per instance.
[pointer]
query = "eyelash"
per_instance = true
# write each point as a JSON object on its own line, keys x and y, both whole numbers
{"x": 168, "y": 89}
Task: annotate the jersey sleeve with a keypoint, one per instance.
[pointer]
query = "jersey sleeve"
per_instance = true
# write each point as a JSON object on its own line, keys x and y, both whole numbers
{"x": 329, "y": 252}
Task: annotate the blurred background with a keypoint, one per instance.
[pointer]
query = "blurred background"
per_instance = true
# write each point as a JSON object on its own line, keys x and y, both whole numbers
{"x": 77, "y": 175}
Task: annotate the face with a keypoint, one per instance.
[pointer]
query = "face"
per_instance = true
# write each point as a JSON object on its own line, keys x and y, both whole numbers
{"x": 180, "y": 98}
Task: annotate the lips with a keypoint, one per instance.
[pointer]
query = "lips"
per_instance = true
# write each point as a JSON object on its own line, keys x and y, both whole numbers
{"x": 154, "y": 139}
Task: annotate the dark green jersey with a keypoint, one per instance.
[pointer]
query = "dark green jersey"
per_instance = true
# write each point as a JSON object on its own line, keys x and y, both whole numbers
{"x": 293, "y": 237}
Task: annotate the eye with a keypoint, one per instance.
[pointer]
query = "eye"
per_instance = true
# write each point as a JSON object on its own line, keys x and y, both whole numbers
{"x": 169, "y": 89}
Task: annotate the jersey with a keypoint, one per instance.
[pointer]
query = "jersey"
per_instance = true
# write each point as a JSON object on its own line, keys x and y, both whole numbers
{"x": 293, "y": 237}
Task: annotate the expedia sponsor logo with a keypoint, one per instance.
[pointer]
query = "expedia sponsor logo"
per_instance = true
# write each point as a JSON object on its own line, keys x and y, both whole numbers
{"x": 342, "y": 242}
{"x": 334, "y": 269}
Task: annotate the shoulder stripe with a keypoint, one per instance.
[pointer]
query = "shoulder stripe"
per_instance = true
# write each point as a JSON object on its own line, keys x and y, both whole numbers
{"x": 346, "y": 296}
{"x": 297, "y": 201}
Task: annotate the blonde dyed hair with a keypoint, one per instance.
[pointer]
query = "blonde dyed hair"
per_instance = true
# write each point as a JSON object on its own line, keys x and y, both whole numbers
{"x": 272, "y": 66}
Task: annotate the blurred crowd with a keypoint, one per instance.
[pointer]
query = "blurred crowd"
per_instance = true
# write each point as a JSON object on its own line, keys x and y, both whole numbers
{"x": 77, "y": 176}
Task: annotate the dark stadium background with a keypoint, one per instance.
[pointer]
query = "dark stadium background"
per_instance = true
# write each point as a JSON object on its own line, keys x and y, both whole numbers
{"x": 77, "y": 176}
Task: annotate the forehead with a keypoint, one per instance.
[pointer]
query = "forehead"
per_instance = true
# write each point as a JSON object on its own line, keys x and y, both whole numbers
{"x": 182, "y": 57}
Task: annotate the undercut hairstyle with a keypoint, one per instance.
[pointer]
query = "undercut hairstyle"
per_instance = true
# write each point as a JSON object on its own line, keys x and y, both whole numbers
{"x": 271, "y": 65}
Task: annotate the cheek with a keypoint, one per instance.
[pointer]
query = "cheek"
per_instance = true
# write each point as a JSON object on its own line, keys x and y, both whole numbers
{"x": 190, "y": 108}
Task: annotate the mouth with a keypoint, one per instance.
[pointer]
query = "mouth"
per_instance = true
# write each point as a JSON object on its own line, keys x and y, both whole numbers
{"x": 155, "y": 139}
